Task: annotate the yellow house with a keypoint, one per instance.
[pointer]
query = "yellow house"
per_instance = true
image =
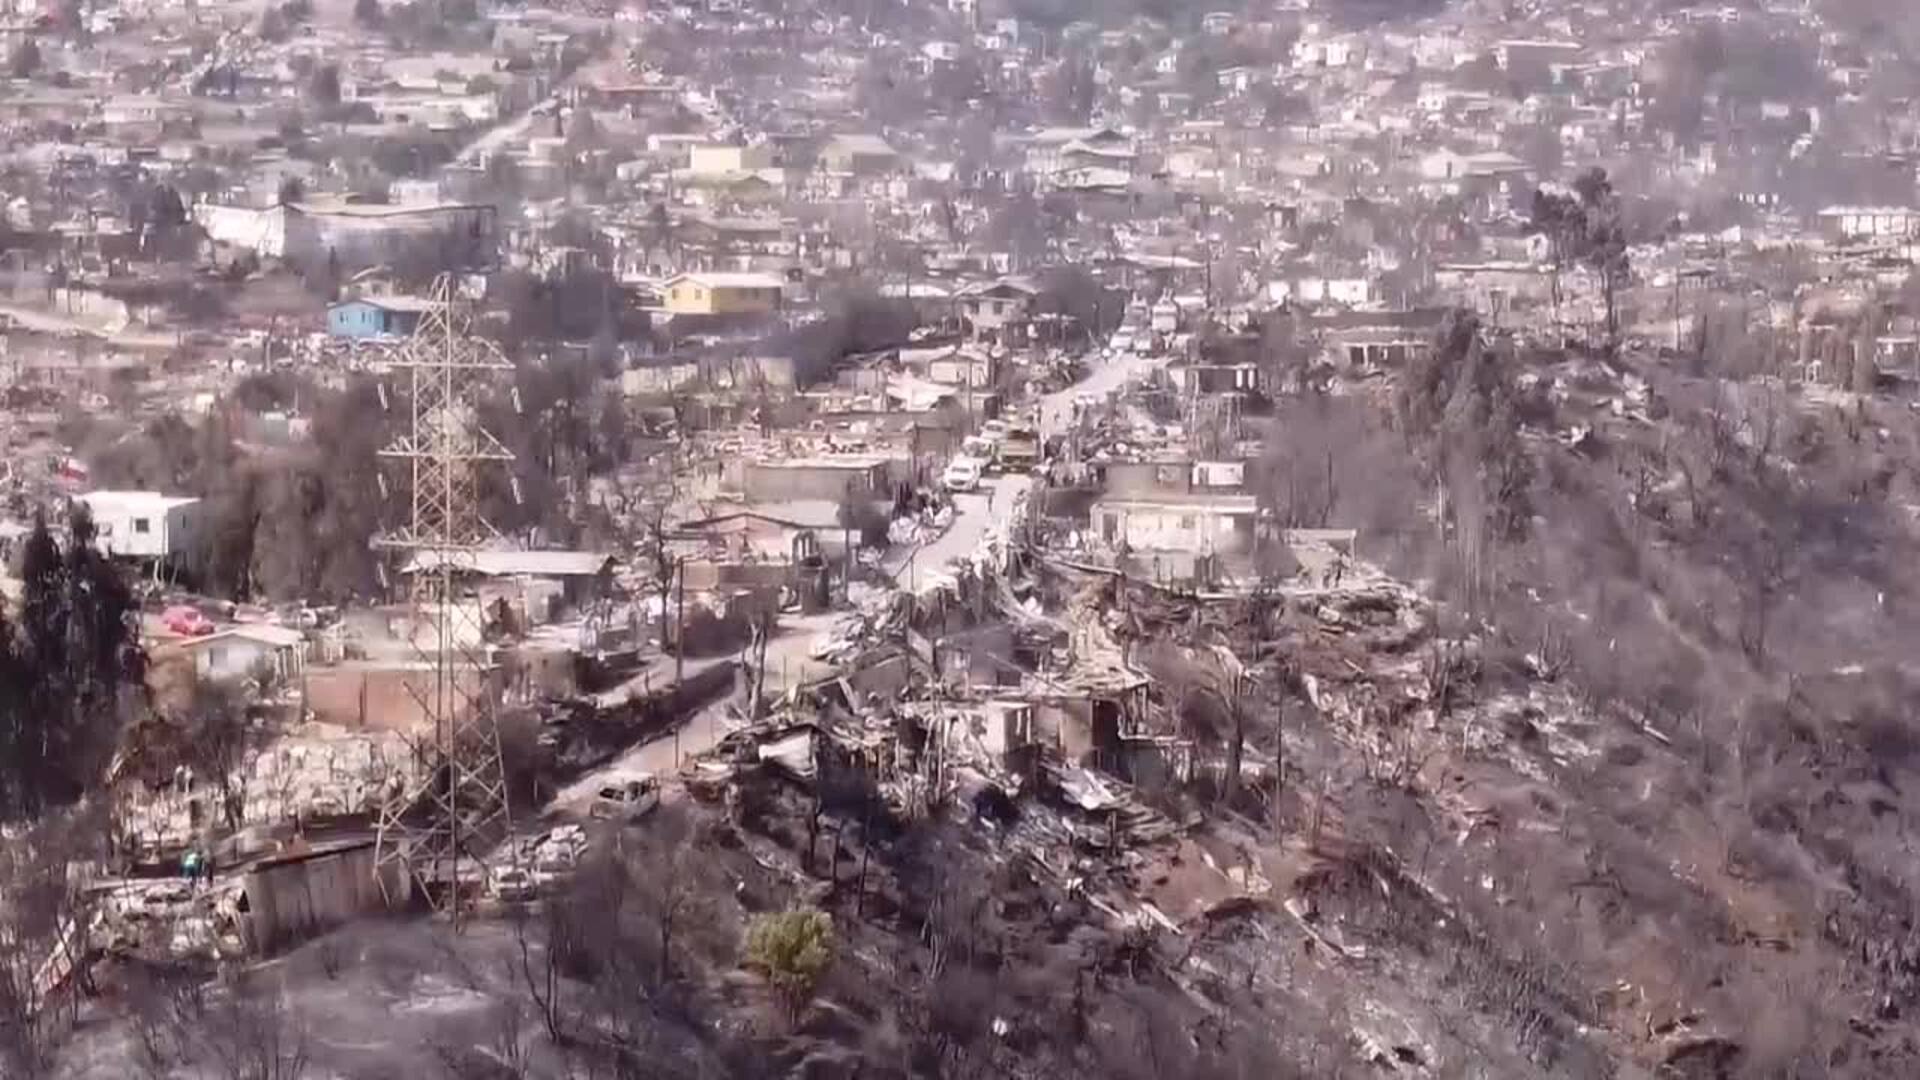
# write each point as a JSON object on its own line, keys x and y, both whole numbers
{"x": 722, "y": 294}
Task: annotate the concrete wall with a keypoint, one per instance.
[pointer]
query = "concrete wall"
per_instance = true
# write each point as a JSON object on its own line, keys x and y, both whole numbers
{"x": 775, "y": 483}
{"x": 262, "y": 231}
{"x": 375, "y": 697}
{"x": 1149, "y": 478}
{"x": 706, "y": 574}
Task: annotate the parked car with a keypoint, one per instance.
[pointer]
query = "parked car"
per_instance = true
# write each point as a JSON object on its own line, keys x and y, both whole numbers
{"x": 962, "y": 475}
{"x": 1020, "y": 452}
{"x": 510, "y": 883}
{"x": 628, "y": 801}
{"x": 186, "y": 621}
{"x": 555, "y": 855}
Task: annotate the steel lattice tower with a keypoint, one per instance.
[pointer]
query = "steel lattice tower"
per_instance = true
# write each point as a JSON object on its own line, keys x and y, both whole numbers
{"x": 442, "y": 827}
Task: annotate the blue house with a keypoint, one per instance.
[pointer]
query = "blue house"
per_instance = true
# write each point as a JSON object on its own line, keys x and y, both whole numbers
{"x": 375, "y": 316}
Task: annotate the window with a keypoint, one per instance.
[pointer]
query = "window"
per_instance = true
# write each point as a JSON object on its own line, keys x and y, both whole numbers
{"x": 1187, "y": 522}
{"x": 141, "y": 526}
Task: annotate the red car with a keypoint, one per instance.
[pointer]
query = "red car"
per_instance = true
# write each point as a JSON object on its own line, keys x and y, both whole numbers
{"x": 186, "y": 621}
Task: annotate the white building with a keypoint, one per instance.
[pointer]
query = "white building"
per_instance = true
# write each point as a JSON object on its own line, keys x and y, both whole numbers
{"x": 722, "y": 159}
{"x": 1351, "y": 292}
{"x": 1198, "y": 524}
{"x": 243, "y": 651}
{"x": 1870, "y": 222}
{"x": 352, "y": 234}
{"x": 143, "y": 524}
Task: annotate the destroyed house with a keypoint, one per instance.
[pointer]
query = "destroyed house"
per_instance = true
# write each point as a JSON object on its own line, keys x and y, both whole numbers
{"x": 1195, "y": 524}
{"x": 987, "y": 732}
{"x": 1495, "y": 287}
{"x": 1869, "y": 222}
{"x": 1173, "y": 476}
{"x": 1233, "y": 377}
{"x": 760, "y": 534}
{"x": 1086, "y": 715}
{"x": 1373, "y": 340}
{"x": 538, "y": 585}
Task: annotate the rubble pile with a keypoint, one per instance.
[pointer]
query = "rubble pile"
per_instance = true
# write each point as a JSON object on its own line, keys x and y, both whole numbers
{"x": 314, "y": 773}
{"x": 169, "y": 919}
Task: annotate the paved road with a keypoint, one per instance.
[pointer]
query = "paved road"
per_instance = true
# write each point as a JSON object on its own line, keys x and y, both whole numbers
{"x": 974, "y": 514}
{"x": 1104, "y": 376}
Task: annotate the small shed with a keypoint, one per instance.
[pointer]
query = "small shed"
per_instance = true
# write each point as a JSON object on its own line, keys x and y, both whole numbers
{"x": 309, "y": 889}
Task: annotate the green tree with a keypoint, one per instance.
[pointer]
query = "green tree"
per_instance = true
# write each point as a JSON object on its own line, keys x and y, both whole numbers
{"x": 71, "y": 664}
{"x": 367, "y": 12}
{"x": 792, "y": 949}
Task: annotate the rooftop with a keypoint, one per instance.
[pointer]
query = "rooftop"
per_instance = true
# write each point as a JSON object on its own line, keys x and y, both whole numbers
{"x": 735, "y": 280}
{"x": 513, "y": 563}
{"x": 127, "y": 501}
{"x": 343, "y": 208}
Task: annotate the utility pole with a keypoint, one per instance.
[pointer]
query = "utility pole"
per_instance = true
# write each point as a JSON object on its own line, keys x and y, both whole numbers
{"x": 1279, "y": 756}
{"x": 442, "y": 827}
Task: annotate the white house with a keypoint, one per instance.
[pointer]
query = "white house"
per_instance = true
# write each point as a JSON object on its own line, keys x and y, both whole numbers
{"x": 143, "y": 524}
{"x": 992, "y": 306}
{"x": 239, "y": 652}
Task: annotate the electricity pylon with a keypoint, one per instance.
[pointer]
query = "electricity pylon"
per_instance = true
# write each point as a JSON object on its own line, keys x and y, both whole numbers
{"x": 444, "y": 825}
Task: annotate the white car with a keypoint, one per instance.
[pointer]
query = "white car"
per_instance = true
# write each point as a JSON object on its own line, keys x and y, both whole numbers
{"x": 629, "y": 801}
{"x": 962, "y": 475}
{"x": 510, "y": 883}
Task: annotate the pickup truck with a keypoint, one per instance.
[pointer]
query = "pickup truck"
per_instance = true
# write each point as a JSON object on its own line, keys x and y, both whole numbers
{"x": 1020, "y": 450}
